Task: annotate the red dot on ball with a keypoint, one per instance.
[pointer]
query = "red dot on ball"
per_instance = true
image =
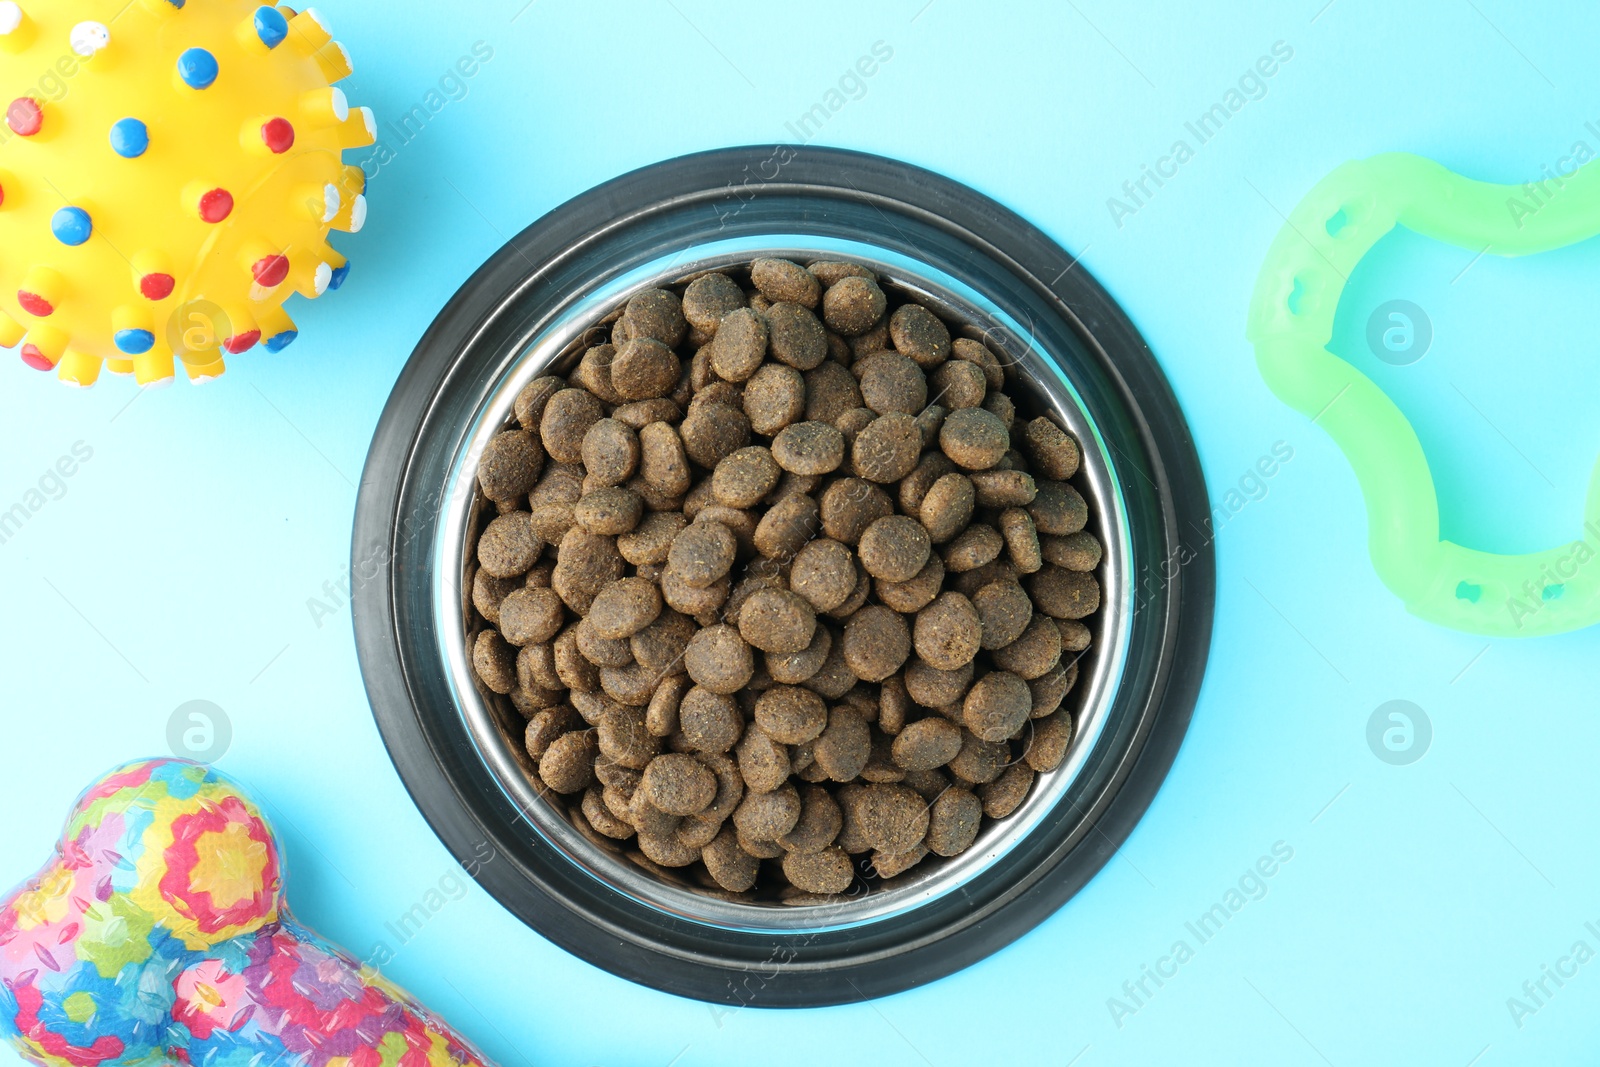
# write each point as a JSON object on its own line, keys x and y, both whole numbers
{"x": 24, "y": 116}
{"x": 241, "y": 342}
{"x": 35, "y": 358}
{"x": 270, "y": 271}
{"x": 216, "y": 205}
{"x": 278, "y": 134}
{"x": 35, "y": 305}
{"x": 156, "y": 286}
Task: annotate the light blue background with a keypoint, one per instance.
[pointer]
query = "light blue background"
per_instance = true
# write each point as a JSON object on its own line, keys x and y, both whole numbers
{"x": 180, "y": 562}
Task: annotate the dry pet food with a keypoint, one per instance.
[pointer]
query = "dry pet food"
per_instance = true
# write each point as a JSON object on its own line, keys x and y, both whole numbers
{"x": 786, "y": 586}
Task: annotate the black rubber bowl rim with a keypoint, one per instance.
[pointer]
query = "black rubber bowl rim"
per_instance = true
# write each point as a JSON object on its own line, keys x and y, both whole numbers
{"x": 1173, "y": 580}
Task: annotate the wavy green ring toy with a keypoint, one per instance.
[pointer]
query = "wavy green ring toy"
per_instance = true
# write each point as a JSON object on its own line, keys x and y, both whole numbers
{"x": 1291, "y": 324}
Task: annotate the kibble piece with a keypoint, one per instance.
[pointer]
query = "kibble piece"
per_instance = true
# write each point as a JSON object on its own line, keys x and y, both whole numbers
{"x": 624, "y": 738}
{"x": 568, "y": 764}
{"x": 1022, "y": 540}
{"x": 1075, "y": 636}
{"x": 947, "y": 507}
{"x": 544, "y": 727}
{"x": 894, "y": 704}
{"x": 824, "y": 573}
{"x": 1065, "y": 594}
{"x": 702, "y": 553}
{"x": 730, "y": 866}
{"x": 594, "y": 373}
{"x": 1048, "y": 747}
{"x": 1055, "y": 455}
{"x": 853, "y": 305}
{"x": 691, "y": 600}
{"x": 876, "y": 643}
{"x": 777, "y": 620}
{"x": 678, "y": 784}
{"x": 1003, "y": 408}
{"x": 566, "y": 420}
{"x": 488, "y": 592}
{"x": 974, "y": 438}
{"x": 768, "y": 816}
{"x": 576, "y": 672}
{"x": 997, "y": 706}
{"x": 662, "y": 459}
{"x": 974, "y": 547}
{"x": 887, "y": 866}
{"x": 1058, "y": 509}
{"x": 1006, "y": 793}
{"x": 651, "y": 540}
{"x": 919, "y": 334}
{"x": 1035, "y": 653}
{"x": 739, "y": 346}
{"x": 585, "y": 564}
{"x": 1005, "y": 610}
{"x": 948, "y": 632}
{"x": 624, "y": 608}
{"x": 979, "y": 761}
{"x": 536, "y": 668}
{"x": 763, "y": 762}
{"x": 845, "y": 745}
{"x": 1076, "y": 552}
{"x": 530, "y": 403}
{"x": 661, "y": 714}
{"x": 912, "y": 596}
{"x": 511, "y": 464}
{"x": 795, "y": 336}
{"x": 849, "y": 506}
{"x": 495, "y": 662}
{"x": 891, "y": 382}
{"x": 959, "y": 384}
{"x": 826, "y": 872}
{"x": 508, "y": 546}
{"x": 609, "y": 511}
{"x": 611, "y": 451}
{"x": 888, "y": 448}
{"x": 710, "y": 721}
{"x": 786, "y": 526}
{"x": 656, "y": 314}
{"x": 711, "y": 432}
{"x": 895, "y": 548}
{"x": 953, "y": 822}
{"x": 531, "y": 616}
{"x": 820, "y": 822}
{"x": 718, "y": 659}
{"x": 781, "y": 281}
{"x": 857, "y": 598}
{"x": 831, "y": 390}
{"x": 1051, "y": 687}
{"x": 790, "y": 715}
{"x": 745, "y": 477}
{"x": 774, "y": 397}
{"x": 601, "y": 817}
{"x": 794, "y": 668}
{"x": 809, "y": 448}
{"x": 666, "y": 850}
{"x": 708, "y": 299}
{"x": 974, "y": 352}
{"x": 926, "y": 744}
{"x": 933, "y": 688}
{"x": 893, "y": 818}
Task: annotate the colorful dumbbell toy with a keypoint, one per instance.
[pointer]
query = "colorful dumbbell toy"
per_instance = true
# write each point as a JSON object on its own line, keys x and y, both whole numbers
{"x": 169, "y": 174}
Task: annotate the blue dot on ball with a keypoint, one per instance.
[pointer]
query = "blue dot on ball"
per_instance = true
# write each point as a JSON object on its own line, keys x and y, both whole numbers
{"x": 197, "y": 68}
{"x": 72, "y": 225}
{"x": 130, "y": 138}
{"x": 271, "y": 26}
{"x": 135, "y": 342}
{"x": 339, "y": 276}
{"x": 279, "y": 341}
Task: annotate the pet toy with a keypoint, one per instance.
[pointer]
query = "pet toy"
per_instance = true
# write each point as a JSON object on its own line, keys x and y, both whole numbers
{"x": 169, "y": 173}
{"x": 1291, "y": 323}
{"x": 158, "y": 933}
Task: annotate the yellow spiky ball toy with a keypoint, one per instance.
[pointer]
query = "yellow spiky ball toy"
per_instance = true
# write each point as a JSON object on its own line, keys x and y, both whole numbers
{"x": 169, "y": 173}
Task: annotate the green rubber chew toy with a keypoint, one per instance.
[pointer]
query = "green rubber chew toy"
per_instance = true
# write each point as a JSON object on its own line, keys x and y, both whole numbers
{"x": 1291, "y": 324}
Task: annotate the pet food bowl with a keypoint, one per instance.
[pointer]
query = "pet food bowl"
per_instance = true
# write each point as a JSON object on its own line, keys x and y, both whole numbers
{"x": 1071, "y": 352}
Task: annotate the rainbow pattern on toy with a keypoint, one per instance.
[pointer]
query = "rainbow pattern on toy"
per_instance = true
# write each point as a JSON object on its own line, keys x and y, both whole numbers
{"x": 169, "y": 174}
{"x": 158, "y": 934}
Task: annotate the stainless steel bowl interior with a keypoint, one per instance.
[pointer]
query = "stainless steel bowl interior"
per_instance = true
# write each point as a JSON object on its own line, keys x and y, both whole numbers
{"x": 555, "y": 346}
